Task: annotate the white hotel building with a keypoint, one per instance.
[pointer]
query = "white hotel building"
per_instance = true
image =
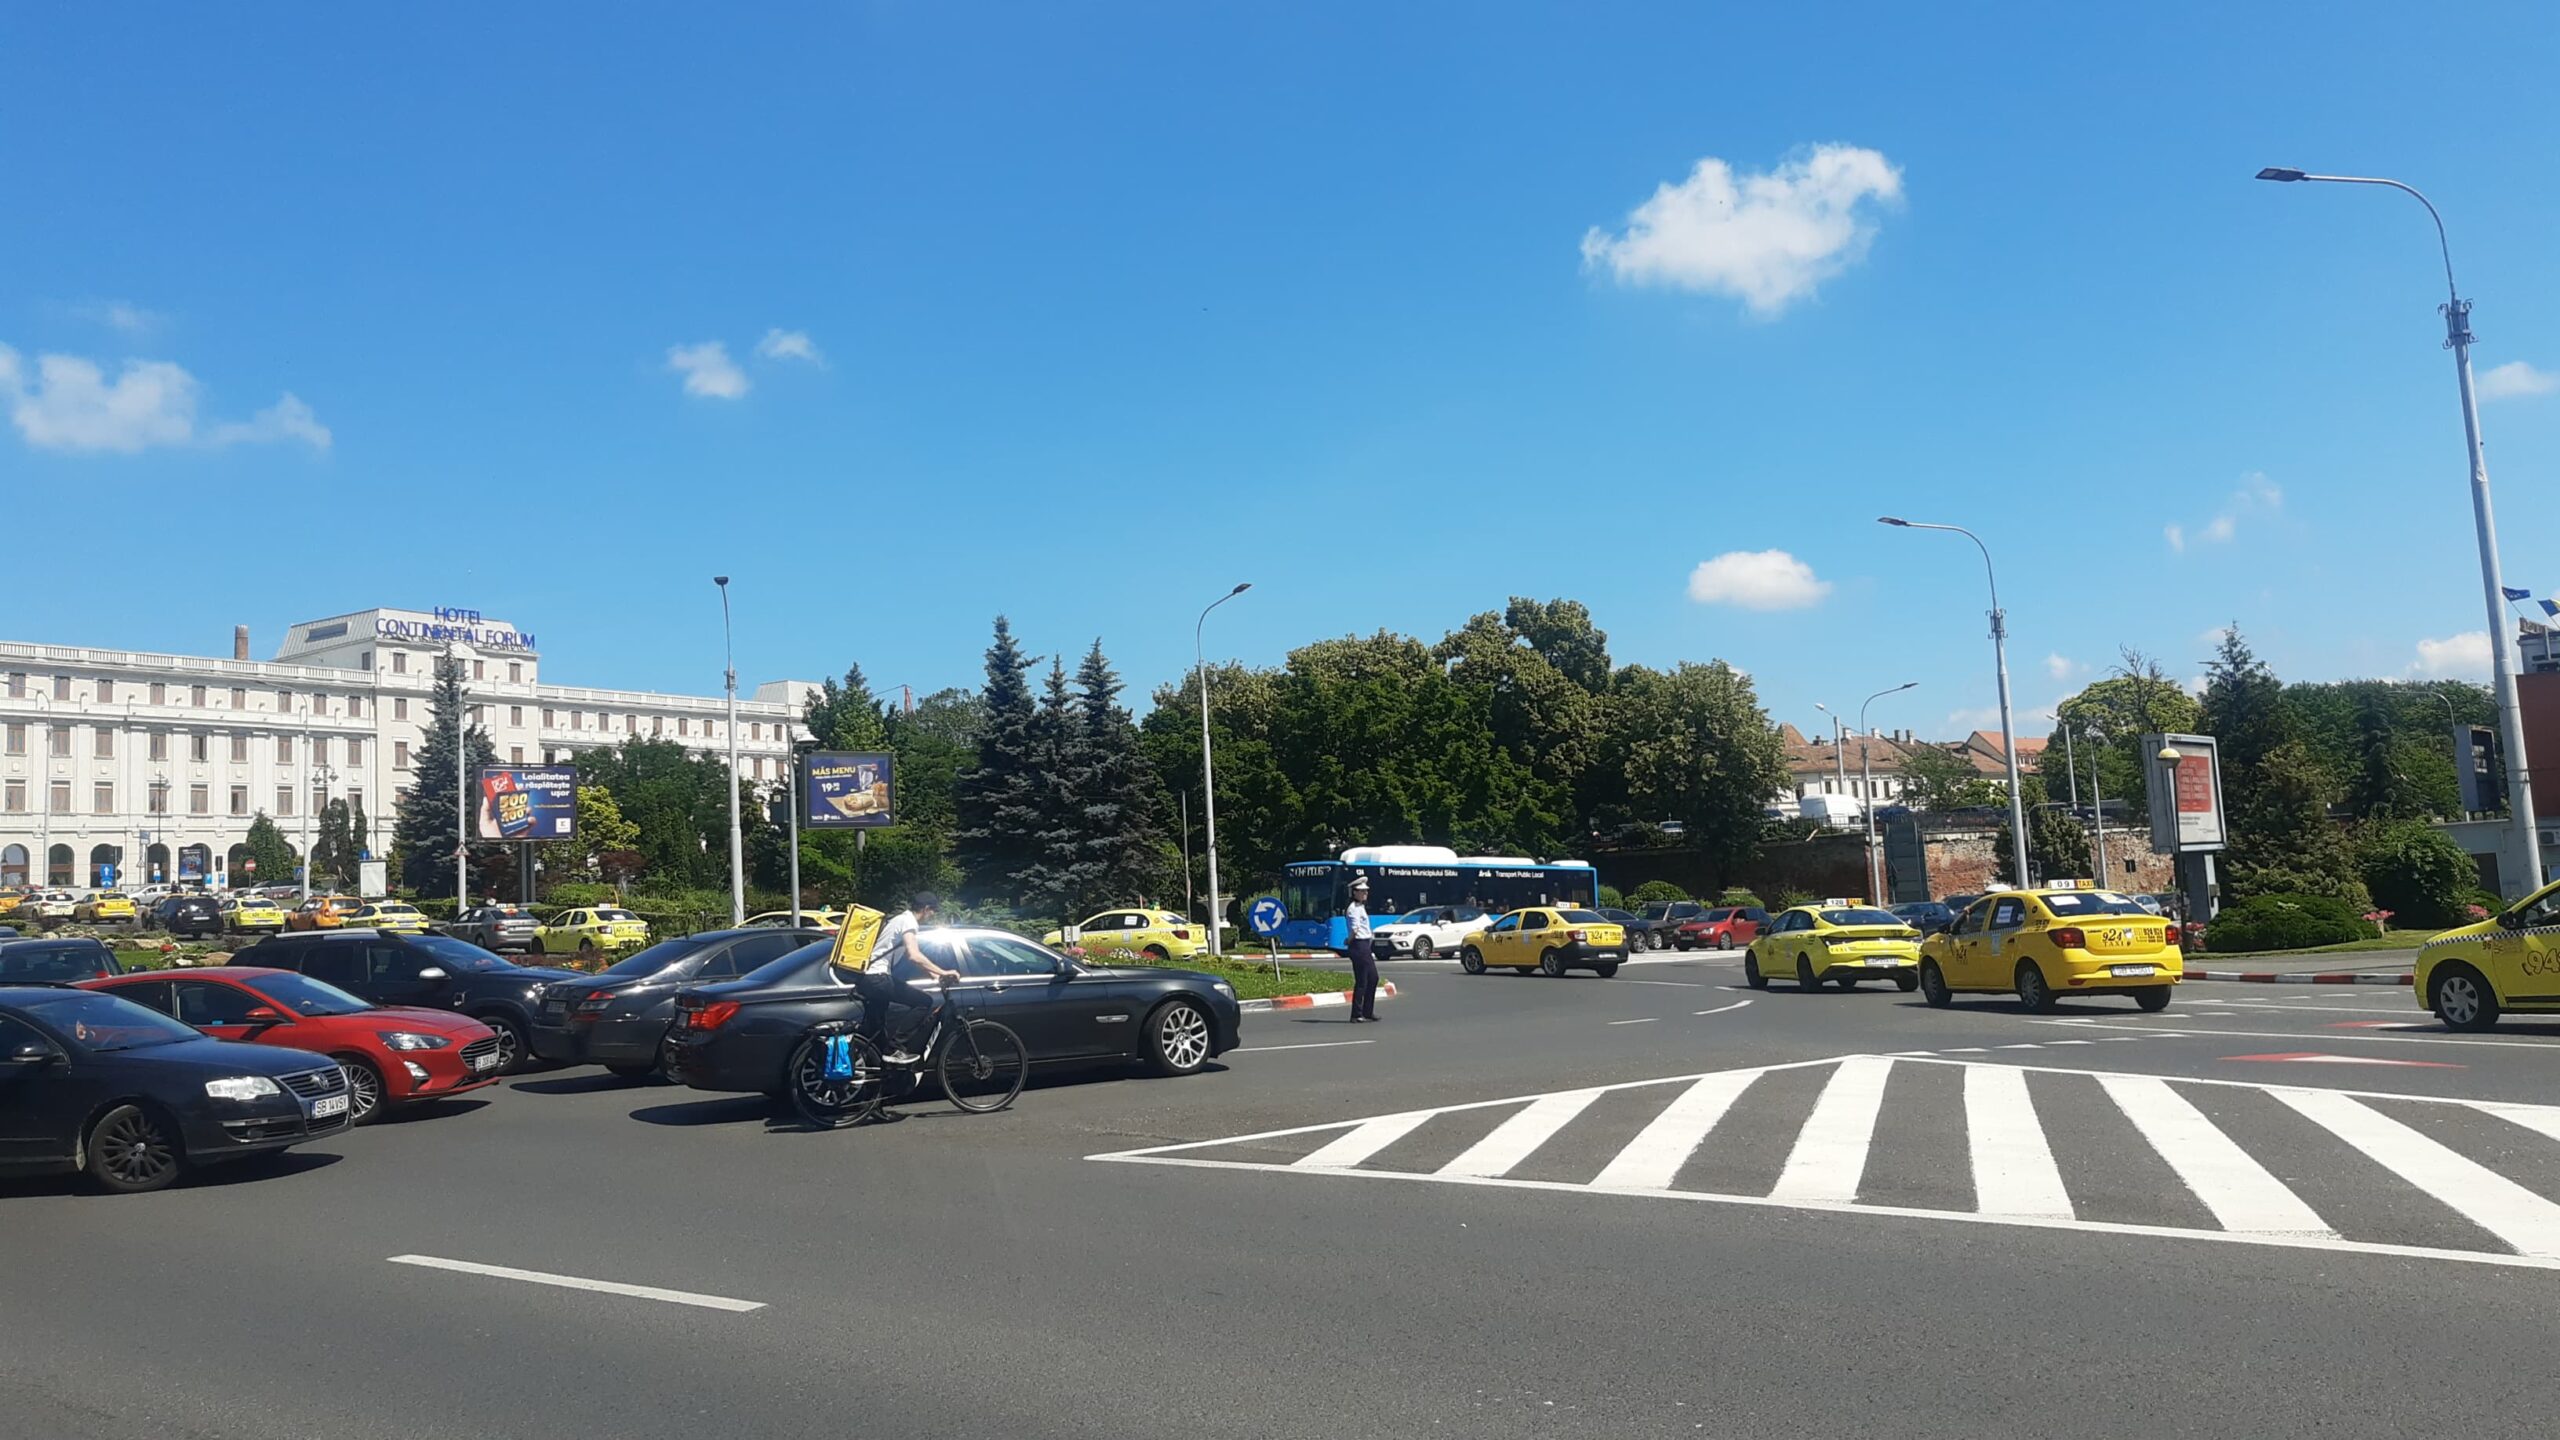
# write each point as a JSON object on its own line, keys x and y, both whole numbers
{"x": 156, "y": 764}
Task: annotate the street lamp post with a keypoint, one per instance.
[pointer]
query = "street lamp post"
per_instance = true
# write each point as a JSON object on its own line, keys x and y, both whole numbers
{"x": 2526, "y": 836}
{"x": 791, "y": 785}
{"x": 1867, "y": 783}
{"x": 1208, "y": 772}
{"x": 737, "y": 844}
{"x": 2000, "y": 660}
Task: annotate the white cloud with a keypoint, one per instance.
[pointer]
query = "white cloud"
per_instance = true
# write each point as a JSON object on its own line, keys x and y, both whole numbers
{"x": 1766, "y": 239}
{"x": 2516, "y": 378}
{"x": 2214, "y": 637}
{"x": 2196, "y": 685}
{"x": 779, "y": 344}
{"x": 2256, "y": 495}
{"x": 2455, "y": 657}
{"x": 2062, "y": 667}
{"x": 1757, "y": 580}
{"x": 66, "y": 402}
{"x": 122, "y": 315}
{"x": 1965, "y": 722}
{"x": 708, "y": 370}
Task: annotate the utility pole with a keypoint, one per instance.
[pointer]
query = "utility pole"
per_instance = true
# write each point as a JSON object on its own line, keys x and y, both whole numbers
{"x": 737, "y": 845}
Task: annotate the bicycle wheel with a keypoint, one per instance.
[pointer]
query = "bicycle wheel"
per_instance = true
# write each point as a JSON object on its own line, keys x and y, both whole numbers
{"x": 983, "y": 1067}
{"x": 833, "y": 1104}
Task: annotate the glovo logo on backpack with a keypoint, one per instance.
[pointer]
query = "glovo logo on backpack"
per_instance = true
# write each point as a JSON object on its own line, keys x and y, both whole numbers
{"x": 855, "y": 937}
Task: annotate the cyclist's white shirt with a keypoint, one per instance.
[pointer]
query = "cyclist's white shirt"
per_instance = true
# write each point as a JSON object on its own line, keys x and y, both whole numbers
{"x": 892, "y": 942}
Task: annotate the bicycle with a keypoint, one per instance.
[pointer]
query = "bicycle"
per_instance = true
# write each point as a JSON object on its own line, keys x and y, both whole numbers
{"x": 980, "y": 1065}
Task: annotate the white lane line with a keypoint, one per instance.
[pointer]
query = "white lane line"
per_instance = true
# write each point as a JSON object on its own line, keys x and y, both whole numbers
{"x": 1831, "y": 1151}
{"x": 2527, "y": 1222}
{"x": 1675, "y": 984}
{"x": 2242, "y": 1194}
{"x": 573, "y": 1282}
{"x": 1969, "y": 1050}
{"x": 2025, "y": 1045}
{"x": 2074, "y": 1042}
{"x": 1310, "y": 1045}
{"x": 2351, "y": 1037}
{"x": 1719, "y": 1010}
{"x": 2013, "y": 1169}
{"x": 1646, "y": 1021}
{"x": 1650, "y": 1160}
{"x": 1362, "y": 1141}
{"x": 1512, "y": 1141}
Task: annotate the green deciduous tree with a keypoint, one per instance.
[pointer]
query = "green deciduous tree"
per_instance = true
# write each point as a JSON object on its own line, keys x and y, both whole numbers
{"x": 428, "y": 831}
{"x": 677, "y": 802}
{"x": 1937, "y": 778}
{"x": 2415, "y": 871}
{"x": 1693, "y": 744}
{"x": 2057, "y": 845}
{"x": 266, "y": 845}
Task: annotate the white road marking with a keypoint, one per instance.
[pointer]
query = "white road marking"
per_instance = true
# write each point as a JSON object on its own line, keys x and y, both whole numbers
{"x": 1650, "y": 1160}
{"x": 2239, "y": 1191}
{"x": 1362, "y": 1141}
{"x": 1969, "y": 1050}
{"x": 1719, "y": 1010}
{"x": 1645, "y": 1021}
{"x": 1831, "y": 1151}
{"x": 1310, "y": 1045}
{"x": 2013, "y": 1169}
{"x": 2074, "y": 1042}
{"x": 1512, "y": 1141}
{"x": 2490, "y": 1200}
{"x": 1677, "y": 984}
{"x": 2356, "y": 1037}
{"x": 2025, "y": 1045}
{"x": 573, "y": 1282}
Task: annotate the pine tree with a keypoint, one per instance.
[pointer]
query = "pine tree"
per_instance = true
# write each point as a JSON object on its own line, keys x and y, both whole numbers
{"x": 999, "y": 812}
{"x": 359, "y": 832}
{"x": 1117, "y": 800}
{"x": 333, "y": 848}
{"x": 427, "y": 834}
{"x": 2283, "y": 841}
{"x": 2244, "y": 708}
{"x": 274, "y": 855}
{"x": 1054, "y": 873}
{"x": 846, "y": 715}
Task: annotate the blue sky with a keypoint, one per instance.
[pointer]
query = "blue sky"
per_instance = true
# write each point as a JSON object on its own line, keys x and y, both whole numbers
{"x": 1081, "y": 313}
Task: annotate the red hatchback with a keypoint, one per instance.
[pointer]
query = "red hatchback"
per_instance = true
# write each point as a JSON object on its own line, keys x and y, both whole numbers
{"x": 1721, "y": 928}
{"x": 391, "y": 1054}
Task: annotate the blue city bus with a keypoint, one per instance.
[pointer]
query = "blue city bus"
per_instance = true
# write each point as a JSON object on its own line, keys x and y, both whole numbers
{"x": 1406, "y": 877}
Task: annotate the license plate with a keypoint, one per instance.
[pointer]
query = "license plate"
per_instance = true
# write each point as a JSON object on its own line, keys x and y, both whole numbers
{"x": 328, "y": 1105}
{"x": 1882, "y": 963}
{"x": 554, "y": 1007}
{"x": 484, "y": 1062}
{"x": 2129, "y": 969}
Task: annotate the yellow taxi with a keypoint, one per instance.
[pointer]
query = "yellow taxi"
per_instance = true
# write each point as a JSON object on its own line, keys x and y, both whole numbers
{"x": 247, "y": 914}
{"x": 393, "y": 916}
{"x": 1840, "y": 941}
{"x": 812, "y": 917}
{"x": 1151, "y": 934}
{"x": 2043, "y": 944}
{"x": 12, "y": 898}
{"x": 2471, "y": 974}
{"x": 1548, "y": 939}
{"x": 585, "y": 932}
{"x": 323, "y": 912}
{"x": 105, "y": 906}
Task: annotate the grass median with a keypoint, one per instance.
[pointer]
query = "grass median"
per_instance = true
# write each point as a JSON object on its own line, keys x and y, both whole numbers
{"x": 1253, "y": 980}
{"x": 2392, "y": 940}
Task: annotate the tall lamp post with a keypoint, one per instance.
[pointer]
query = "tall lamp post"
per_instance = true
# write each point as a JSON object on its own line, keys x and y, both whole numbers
{"x": 2526, "y": 837}
{"x": 1867, "y": 783}
{"x": 1208, "y": 772}
{"x": 737, "y": 844}
{"x": 2000, "y": 660}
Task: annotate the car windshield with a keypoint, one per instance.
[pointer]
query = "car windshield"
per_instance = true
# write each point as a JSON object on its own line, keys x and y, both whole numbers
{"x": 1860, "y": 916}
{"x": 307, "y": 997}
{"x": 654, "y": 959}
{"x": 395, "y": 909}
{"x": 1416, "y": 917}
{"x": 2075, "y": 904}
{"x": 52, "y": 963}
{"x": 808, "y": 963}
{"x": 104, "y": 1023}
{"x": 459, "y": 954}
{"x": 1583, "y": 917}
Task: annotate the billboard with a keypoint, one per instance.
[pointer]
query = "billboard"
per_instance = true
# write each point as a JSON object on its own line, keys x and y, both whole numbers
{"x": 849, "y": 792}
{"x": 527, "y": 802}
{"x": 2184, "y": 776}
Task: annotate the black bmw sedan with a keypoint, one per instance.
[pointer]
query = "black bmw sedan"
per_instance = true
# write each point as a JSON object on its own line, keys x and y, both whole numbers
{"x": 740, "y": 1036}
{"x": 619, "y": 1018}
{"x": 90, "y": 1082}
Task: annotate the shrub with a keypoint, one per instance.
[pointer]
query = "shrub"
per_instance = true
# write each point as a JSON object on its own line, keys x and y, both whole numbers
{"x": 1610, "y": 899}
{"x": 1653, "y": 891}
{"x": 2283, "y": 922}
{"x": 1789, "y": 899}
{"x": 1736, "y": 895}
{"x": 2416, "y": 871}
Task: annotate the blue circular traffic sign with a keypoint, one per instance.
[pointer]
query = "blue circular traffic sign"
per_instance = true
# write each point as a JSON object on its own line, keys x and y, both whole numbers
{"x": 1266, "y": 916}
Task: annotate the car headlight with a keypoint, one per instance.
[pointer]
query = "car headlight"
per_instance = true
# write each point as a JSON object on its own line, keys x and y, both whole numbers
{"x": 241, "y": 1087}
{"x": 411, "y": 1040}
{"x": 1223, "y": 988}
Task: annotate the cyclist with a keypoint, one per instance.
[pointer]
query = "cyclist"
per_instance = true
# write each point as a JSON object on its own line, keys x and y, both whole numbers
{"x": 896, "y": 958}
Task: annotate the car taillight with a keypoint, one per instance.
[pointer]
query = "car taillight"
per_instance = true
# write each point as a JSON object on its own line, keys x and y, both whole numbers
{"x": 1576, "y": 936}
{"x": 1181, "y": 934}
{"x": 711, "y": 1016}
{"x": 2070, "y": 937}
{"x": 593, "y": 1004}
{"x": 2174, "y": 935}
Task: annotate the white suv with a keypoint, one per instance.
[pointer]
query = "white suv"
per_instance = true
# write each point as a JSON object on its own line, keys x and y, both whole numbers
{"x": 1431, "y": 930}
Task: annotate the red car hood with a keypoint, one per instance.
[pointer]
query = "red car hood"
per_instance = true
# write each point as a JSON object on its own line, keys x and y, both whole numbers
{"x": 462, "y": 1029}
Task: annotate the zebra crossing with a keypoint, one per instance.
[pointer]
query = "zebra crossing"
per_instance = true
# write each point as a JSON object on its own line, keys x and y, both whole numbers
{"x": 2037, "y": 1146}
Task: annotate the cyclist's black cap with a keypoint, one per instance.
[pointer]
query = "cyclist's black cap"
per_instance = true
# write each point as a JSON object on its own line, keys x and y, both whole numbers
{"x": 925, "y": 900}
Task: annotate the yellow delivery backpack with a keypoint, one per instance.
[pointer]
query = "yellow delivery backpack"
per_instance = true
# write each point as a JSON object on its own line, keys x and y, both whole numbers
{"x": 854, "y": 939}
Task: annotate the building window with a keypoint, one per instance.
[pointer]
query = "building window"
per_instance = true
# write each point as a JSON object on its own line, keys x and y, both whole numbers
{"x": 759, "y": 767}
{"x": 355, "y": 801}
{"x": 515, "y": 754}
{"x": 284, "y": 800}
{"x": 515, "y": 717}
{"x": 284, "y": 702}
{"x": 160, "y": 798}
{"x": 239, "y": 749}
{"x": 355, "y": 707}
{"x": 159, "y": 744}
{"x": 199, "y": 747}
{"x": 284, "y": 749}
{"x": 632, "y": 727}
{"x": 399, "y": 662}
{"x": 58, "y": 797}
{"x": 399, "y": 754}
{"x": 657, "y": 724}
{"x": 319, "y": 799}
{"x": 61, "y": 687}
{"x": 355, "y": 750}
{"x": 239, "y": 799}
{"x": 16, "y": 800}
{"x": 106, "y": 691}
{"x": 159, "y": 693}
{"x": 102, "y": 798}
{"x": 400, "y": 708}
{"x": 17, "y": 737}
{"x": 17, "y": 684}
{"x": 479, "y": 669}
{"x": 195, "y": 696}
{"x": 319, "y": 749}
{"x": 515, "y": 672}
{"x": 103, "y": 742}
{"x": 239, "y": 697}
{"x": 58, "y": 742}
{"x": 546, "y": 717}
{"x": 199, "y": 799}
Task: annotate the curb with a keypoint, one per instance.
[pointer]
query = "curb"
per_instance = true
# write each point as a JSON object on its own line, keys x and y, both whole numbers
{"x": 2329, "y": 978}
{"x": 1386, "y": 991}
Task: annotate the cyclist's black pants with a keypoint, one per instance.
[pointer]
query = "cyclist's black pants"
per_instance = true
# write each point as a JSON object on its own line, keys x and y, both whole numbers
{"x": 881, "y": 996}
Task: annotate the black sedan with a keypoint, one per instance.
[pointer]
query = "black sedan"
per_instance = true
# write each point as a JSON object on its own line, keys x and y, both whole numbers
{"x": 433, "y": 972}
{"x": 49, "y": 961}
{"x": 618, "y": 1019}
{"x": 742, "y": 1036}
{"x": 1929, "y": 917}
{"x": 90, "y": 1082}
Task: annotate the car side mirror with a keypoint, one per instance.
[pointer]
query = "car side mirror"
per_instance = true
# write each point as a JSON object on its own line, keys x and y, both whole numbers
{"x": 2510, "y": 920}
{"x": 28, "y": 1054}
{"x": 265, "y": 1015}
{"x": 432, "y": 972}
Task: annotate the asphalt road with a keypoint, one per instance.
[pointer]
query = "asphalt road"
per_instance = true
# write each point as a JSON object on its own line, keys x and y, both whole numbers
{"x": 1659, "y": 1204}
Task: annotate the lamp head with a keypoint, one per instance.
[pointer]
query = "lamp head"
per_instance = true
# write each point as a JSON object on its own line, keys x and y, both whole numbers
{"x": 2170, "y": 754}
{"x": 1241, "y": 587}
{"x": 720, "y": 580}
{"x": 1893, "y": 520}
{"x": 2281, "y": 175}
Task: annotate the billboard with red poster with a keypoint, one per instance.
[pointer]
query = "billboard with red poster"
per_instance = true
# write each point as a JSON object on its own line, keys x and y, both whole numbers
{"x": 2185, "y": 780}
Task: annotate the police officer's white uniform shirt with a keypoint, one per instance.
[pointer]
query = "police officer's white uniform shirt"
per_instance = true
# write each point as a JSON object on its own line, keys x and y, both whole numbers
{"x": 1358, "y": 920}
{"x": 892, "y": 942}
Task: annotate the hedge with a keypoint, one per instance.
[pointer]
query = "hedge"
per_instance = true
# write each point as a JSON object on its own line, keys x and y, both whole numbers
{"x": 1654, "y": 892}
{"x": 2283, "y": 922}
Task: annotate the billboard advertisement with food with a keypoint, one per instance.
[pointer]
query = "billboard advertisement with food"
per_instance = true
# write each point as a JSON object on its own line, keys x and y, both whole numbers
{"x": 849, "y": 792}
